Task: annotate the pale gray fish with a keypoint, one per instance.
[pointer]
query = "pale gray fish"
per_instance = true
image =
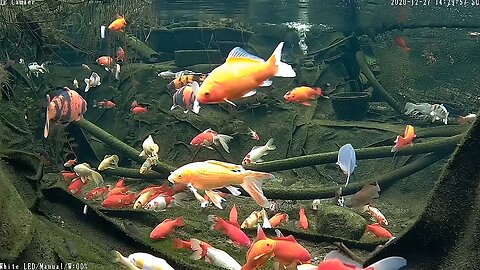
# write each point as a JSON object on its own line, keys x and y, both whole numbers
{"x": 347, "y": 160}
{"x": 364, "y": 196}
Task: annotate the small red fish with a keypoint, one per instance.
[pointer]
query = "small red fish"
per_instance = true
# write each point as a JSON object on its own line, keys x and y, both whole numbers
{"x": 120, "y": 183}
{"x": 238, "y": 237}
{"x": 121, "y": 55}
{"x": 118, "y": 24}
{"x": 105, "y": 61}
{"x": 68, "y": 176}
{"x": 378, "y": 231}
{"x": 406, "y": 140}
{"x": 96, "y": 193}
{"x": 253, "y": 134}
{"x": 76, "y": 186}
{"x": 277, "y": 219}
{"x": 303, "y": 224}
{"x": 139, "y": 110}
{"x": 400, "y": 41}
{"x": 70, "y": 163}
{"x": 165, "y": 228}
{"x": 288, "y": 251}
{"x": 134, "y": 104}
{"x": 233, "y": 216}
{"x": 303, "y": 95}
{"x": 106, "y": 104}
{"x": 209, "y": 137}
{"x": 119, "y": 200}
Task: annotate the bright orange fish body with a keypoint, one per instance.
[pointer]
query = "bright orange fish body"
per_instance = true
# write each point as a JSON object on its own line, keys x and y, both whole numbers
{"x": 289, "y": 251}
{"x": 260, "y": 251}
{"x": 240, "y": 75}
{"x": 118, "y": 200}
{"x": 165, "y": 228}
{"x": 378, "y": 231}
{"x": 277, "y": 219}
{"x": 76, "y": 186}
{"x": 407, "y": 139}
{"x": 303, "y": 221}
{"x": 303, "y": 95}
{"x": 118, "y": 24}
{"x": 212, "y": 174}
{"x": 105, "y": 61}
{"x": 238, "y": 237}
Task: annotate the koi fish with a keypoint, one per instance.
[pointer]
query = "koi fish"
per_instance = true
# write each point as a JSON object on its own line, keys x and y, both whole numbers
{"x": 377, "y": 215}
{"x": 120, "y": 55}
{"x": 378, "y": 231}
{"x": 288, "y": 251}
{"x": 186, "y": 79}
{"x": 86, "y": 173}
{"x": 213, "y": 255}
{"x": 255, "y": 218}
{"x": 241, "y": 73}
{"x": 106, "y": 62}
{"x": 105, "y": 104}
{"x": 69, "y": 163}
{"x": 97, "y": 192}
{"x": 118, "y": 24}
{"x": 68, "y": 176}
{"x": 185, "y": 98}
{"x": 138, "y": 110}
{"x": 400, "y": 142}
{"x": 303, "y": 95}
{"x": 66, "y": 107}
{"x": 236, "y": 235}
{"x": 257, "y": 152}
{"x": 109, "y": 162}
{"x": 212, "y": 174}
{"x": 253, "y": 134}
{"x": 159, "y": 203}
{"x": 260, "y": 251}
{"x": 76, "y": 186}
{"x": 209, "y": 137}
{"x": 143, "y": 261}
{"x": 93, "y": 81}
{"x": 150, "y": 148}
{"x": 165, "y": 228}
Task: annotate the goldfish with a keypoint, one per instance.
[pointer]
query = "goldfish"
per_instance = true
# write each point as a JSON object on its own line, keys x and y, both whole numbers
{"x": 118, "y": 24}
{"x": 75, "y": 83}
{"x": 97, "y": 192}
{"x": 233, "y": 215}
{"x": 120, "y": 55}
{"x": 400, "y": 41}
{"x": 134, "y": 104}
{"x": 106, "y": 62}
{"x": 389, "y": 263}
{"x": 261, "y": 250}
{"x": 66, "y": 107}
{"x": 147, "y": 164}
{"x": 236, "y": 235}
{"x": 378, "y": 231}
{"x": 185, "y": 79}
{"x": 105, "y": 104}
{"x": 142, "y": 199}
{"x": 76, "y": 186}
{"x": 257, "y": 152}
{"x": 213, "y": 174}
{"x": 69, "y": 163}
{"x": 288, "y": 251}
{"x": 400, "y": 142}
{"x": 255, "y": 218}
{"x": 178, "y": 243}
{"x": 146, "y": 261}
{"x": 93, "y": 81}
{"x": 303, "y": 95}
{"x": 108, "y": 162}
{"x": 185, "y": 98}
{"x": 119, "y": 188}
{"x": 241, "y": 73}
{"x": 303, "y": 221}
{"x": 253, "y": 134}
{"x": 124, "y": 261}
{"x": 377, "y": 215}
{"x": 166, "y": 227}
{"x": 118, "y": 200}
{"x": 150, "y": 148}
{"x": 138, "y": 110}
{"x": 159, "y": 203}
{"x": 68, "y": 176}
{"x": 86, "y": 173}
{"x": 277, "y": 219}
{"x": 213, "y": 255}
{"x": 209, "y": 137}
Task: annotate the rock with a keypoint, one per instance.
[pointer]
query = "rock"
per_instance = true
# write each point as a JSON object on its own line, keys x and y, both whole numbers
{"x": 340, "y": 222}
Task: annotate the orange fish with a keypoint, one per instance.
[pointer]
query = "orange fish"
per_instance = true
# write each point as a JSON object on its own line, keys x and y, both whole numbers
{"x": 238, "y": 237}
{"x": 288, "y": 251}
{"x": 303, "y": 224}
{"x": 66, "y": 107}
{"x": 213, "y": 174}
{"x": 118, "y": 24}
{"x": 241, "y": 73}
{"x": 96, "y": 192}
{"x": 165, "y": 228}
{"x": 277, "y": 219}
{"x": 233, "y": 216}
{"x": 378, "y": 231}
{"x": 69, "y": 163}
{"x": 68, "y": 176}
{"x": 185, "y": 99}
{"x": 209, "y": 137}
{"x": 400, "y": 41}
{"x": 260, "y": 251}
{"x": 303, "y": 95}
{"x": 120, "y": 55}
{"x": 138, "y": 110}
{"x": 105, "y": 61}
{"x": 182, "y": 244}
{"x": 106, "y": 104}
{"x": 400, "y": 142}
{"x": 76, "y": 186}
{"x": 119, "y": 200}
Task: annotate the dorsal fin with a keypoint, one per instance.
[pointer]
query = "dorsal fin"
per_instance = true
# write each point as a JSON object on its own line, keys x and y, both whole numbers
{"x": 289, "y": 238}
{"x": 238, "y": 52}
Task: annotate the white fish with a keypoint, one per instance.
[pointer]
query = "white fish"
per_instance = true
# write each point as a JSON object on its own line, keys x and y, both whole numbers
{"x": 255, "y": 218}
{"x": 108, "y": 162}
{"x": 257, "y": 152}
{"x": 147, "y": 261}
{"x": 116, "y": 71}
{"x": 422, "y": 108}
{"x": 347, "y": 160}
{"x": 75, "y": 83}
{"x": 93, "y": 81}
{"x": 102, "y": 31}
{"x": 86, "y": 67}
{"x": 377, "y": 215}
{"x": 159, "y": 203}
{"x": 213, "y": 255}
{"x": 86, "y": 173}
{"x": 125, "y": 261}
{"x": 439, "y": 112}
{"x": 35, "y": 68}
{"x": 253, "y": 134}
{"x": 150, "y": 148}
{"x": 148, "y": 163}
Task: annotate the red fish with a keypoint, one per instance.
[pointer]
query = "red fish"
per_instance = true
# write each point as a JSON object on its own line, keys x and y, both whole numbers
{"x": 303, "y": 224}
{"x": 121, "y": 55}
{"x": 400, "y": 41}
{"x": 66, "y": 107}
{"x": 303, "y": 95}
{"x": 400, "y": 142}
{"x": 253, "y": 134}
{"x": 238, "y": 237}
{"x": 106, "y": 104}
{"x": 76, "y": 186}
{"x": 119, "y": 200}
{"x": 138, "y": 110}
{"x": 96, "y": 193}
{"x": 182, "y": 244}
{"x": 165, "y": 228}
{"x": 118, "y": 24}
{"x": 69, "y": 163}
{"x": 105, "y": 61}
{"x": 378, "y": 231}
{"x": 185, "y": 99}
{"x": 233, "y": 216}
{"x": 288, "y": 251}
{"x": 120, "y": 183}
{"x": 68, "y": 176}
{"x": 134, "y": 104}
{"x": 209, "y": 137}
{"x": 277, "y": 219}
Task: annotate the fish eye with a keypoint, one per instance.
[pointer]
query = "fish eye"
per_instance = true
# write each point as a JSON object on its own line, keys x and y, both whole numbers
{"x": 179, "y": 176}
{"x": 207, "y": 94}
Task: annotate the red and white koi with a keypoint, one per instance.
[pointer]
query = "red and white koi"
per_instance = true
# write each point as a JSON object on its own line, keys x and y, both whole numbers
{"x": 377, "y": 215}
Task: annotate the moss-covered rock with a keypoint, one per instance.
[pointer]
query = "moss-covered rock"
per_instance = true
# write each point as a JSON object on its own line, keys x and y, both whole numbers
{"x": 340, "y": 222}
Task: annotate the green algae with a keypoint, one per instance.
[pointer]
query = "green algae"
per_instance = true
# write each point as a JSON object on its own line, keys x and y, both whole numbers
{"x": 340, "y": 222}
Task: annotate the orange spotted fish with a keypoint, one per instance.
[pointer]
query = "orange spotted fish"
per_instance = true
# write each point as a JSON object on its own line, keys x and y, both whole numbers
{"x": 185, "y": 99}
{"x": 185, "y": 79}
{"x": 66, "y": 107}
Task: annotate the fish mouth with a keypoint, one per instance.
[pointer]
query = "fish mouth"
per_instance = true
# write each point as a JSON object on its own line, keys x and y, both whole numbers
{"x": 170, "y": 179}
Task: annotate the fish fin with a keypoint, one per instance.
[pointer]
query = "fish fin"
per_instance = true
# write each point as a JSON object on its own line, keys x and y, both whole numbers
{"x": 97, "y": 178}
{"x": 196, "y": 106}
{"x": 173, "y": 107}
{"x": 259, "y": 256}
{"x": 234, "y": 190}
{"x": 107, "y": 69}
{"x": 253, "y": 186}
{"x": 390, "y": 263}
{"x": 270, "y": 145}
{"x": 278, "y": 233}
{"x": 348, "y": 179}
{"x": 266, "y": 222}
{"x": 249, "y": 94}
{"x": 47, "y": 119}
{"x": 306, "y": 103}
{"x": 255, "y": 147}
{"x": 266, "y": 83}
{"x": 197, "y": 249}
{"x": 239, "y": 54}
{"x": 118, "y": 256}
{"x": 88, "y": 85}
{"x": 229, "y": 102}
{"x": 223, "y": 140}
{"x": 142, "y": 154}
{"x": 229, "y": 166}
{"x": 260, "y": 160}
{"x": 284, "y": 69}
{"x": 215, "y": 198}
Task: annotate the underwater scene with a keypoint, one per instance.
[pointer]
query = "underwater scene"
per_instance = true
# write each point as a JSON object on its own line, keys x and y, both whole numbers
{"x": 248, "y": 134}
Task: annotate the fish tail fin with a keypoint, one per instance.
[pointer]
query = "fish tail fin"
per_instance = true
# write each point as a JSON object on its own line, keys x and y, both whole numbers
{"x": 47, "y": 120}
{"x": 87, "y": 83}
{"x": 390, "y": 263}
{"x": 178, "y": 243}
{"x": 252, "y": 184}
{"x": 348, "y": 179}
{"x": 179, "y": 221}
{"x": 270, "y": 145}
{"x": 283, "y": 69}
{"x": 197, "y": 249}
{"x": 117, "y": 256}
{"x": 95, "y": 103}
{"x": 223, "y": 140}
{"x": 409, "y": 108}
{"x": 142, "y": 154}
{"x": 97, "y": 178}
{"x": 215, "y": 198}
